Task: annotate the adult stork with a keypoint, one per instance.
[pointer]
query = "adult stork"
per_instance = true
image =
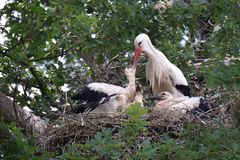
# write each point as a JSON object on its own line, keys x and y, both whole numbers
{"x": 107, "y": 98}
{"x": 181, "y": 104}
{"x": 160, "y": 72}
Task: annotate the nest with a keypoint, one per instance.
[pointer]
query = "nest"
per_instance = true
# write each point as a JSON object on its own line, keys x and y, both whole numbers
{"x": 69, "y": 129}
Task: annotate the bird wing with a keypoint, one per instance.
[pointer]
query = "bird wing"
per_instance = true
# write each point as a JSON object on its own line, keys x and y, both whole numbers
{"x": 96, "y": 91}
{"x": 91, "y": 105}
{"x": 109, "y": 89}
{"x": 86, "y": 94}
{"x": 185, "y": 90}
{"x": 179, "y": 81}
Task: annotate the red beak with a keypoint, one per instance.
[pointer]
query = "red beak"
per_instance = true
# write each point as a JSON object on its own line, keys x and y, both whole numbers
{"x": 136, "y": 55}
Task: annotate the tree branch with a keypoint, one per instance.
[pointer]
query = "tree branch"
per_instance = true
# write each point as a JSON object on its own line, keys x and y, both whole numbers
{"x": 28, "y": 121}
{"x": 39, "y": 82}
{"x": 14, "y": 105}
{"x": 62, "y": 53}
{"x": 4, "y": 53}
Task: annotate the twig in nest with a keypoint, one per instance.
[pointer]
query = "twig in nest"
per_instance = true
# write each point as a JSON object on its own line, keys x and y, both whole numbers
{"x": 201, "y": 120}
{"x": 82, "y": 121}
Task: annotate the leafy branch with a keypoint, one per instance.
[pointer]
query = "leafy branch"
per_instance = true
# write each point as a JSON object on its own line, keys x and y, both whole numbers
{"x": 5, "y": 52}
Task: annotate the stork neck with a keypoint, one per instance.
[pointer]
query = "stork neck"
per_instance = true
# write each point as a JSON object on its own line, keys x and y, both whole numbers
{"x": 157, "y": 68}
{"x": 131, "y": 88}
{"x": 156, "y": 54}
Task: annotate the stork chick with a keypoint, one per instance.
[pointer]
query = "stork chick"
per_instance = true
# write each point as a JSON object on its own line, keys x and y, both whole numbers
{"x": 107, "y": 98}
{"x": 182, "y": 104}
{"x": 160, "y": 72}
{"x": 138, "y": 96}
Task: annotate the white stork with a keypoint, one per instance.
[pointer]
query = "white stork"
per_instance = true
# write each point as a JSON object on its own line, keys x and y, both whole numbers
{"x": 160, "y": 72}
{"x": 107, "y": 98}
{"x": 181, "y": 104}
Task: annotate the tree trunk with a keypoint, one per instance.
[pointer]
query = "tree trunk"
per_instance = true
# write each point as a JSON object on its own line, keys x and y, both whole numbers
{"x": 25, "y": 119}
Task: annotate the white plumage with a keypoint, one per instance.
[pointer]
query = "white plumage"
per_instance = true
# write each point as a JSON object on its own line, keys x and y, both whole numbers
{"x": 107, "y": 98}
{"x": 160, "y": 72}
{"x": 181, "y": 105}
{"x": 109, "y": 89}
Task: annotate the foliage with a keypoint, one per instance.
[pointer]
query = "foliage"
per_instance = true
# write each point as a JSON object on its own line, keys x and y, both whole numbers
{"x": 102, "y": 145}
{"x": 224, "y": 42}
{"x": 135, "y": 125}
{"x": 210, "y": 143}
{"x": 103, "y": 142}
{"x": 226, "y": 76}
{"x": 13, "y": 144}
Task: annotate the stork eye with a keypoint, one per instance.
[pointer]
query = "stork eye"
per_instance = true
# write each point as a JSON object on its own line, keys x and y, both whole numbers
{"x": 139, "y": 44}
{"x": 163, "y": 93}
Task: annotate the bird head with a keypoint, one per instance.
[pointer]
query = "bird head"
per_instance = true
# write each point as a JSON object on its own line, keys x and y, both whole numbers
{"x": 142, "y": 44}
{"x": 165, "y": 95}
{"x": 130, "y": 71}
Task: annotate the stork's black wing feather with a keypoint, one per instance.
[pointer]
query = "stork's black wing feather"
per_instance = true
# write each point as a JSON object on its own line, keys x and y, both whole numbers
{"x": 91, "y": 105}
{"x": 204, "y": 106}
{"x": 80, "y": 108}
{"x": 185, "y": 90}
{"x": 85, "y": 107}
{"x": 86, "y": 94}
